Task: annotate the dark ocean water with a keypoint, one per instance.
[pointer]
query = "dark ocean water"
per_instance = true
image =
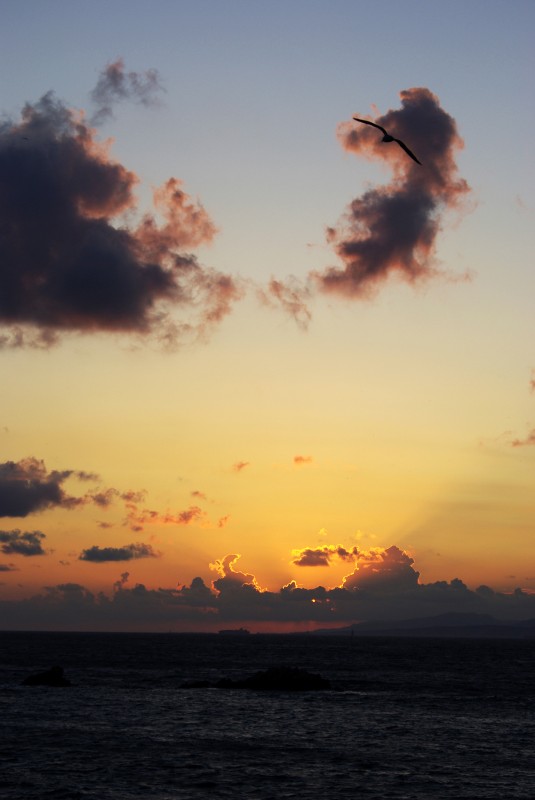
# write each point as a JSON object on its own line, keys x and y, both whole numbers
{"x": 408, "y": 718}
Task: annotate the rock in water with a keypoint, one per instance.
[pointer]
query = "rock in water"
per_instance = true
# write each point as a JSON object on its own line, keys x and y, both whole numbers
{"x": 51, "y": 677}
{"x": 279, "y": 679}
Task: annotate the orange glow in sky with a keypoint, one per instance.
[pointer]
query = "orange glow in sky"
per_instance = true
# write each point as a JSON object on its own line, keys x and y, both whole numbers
{"x": 260, "y": 367}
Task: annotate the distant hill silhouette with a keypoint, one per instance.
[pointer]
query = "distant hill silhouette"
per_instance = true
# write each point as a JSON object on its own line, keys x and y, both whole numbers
{"x": 462, "y": 625}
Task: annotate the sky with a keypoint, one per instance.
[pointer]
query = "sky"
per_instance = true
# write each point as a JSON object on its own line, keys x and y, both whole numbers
{"x": 259, "y": 367}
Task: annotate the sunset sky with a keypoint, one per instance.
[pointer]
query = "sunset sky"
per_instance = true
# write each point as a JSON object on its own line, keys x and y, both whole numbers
{"x": 258, "y": 367}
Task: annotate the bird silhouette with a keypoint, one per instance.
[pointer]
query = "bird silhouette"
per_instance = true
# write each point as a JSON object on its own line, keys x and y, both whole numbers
{"x": 388, "y": 138}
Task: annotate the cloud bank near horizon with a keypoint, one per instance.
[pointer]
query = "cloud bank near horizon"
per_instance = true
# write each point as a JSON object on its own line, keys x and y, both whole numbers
{"x": 381, "y": 583}
{"x": 383, "y": 586}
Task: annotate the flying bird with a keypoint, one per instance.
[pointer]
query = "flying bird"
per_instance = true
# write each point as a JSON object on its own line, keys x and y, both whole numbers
{"x": 388, "y": 138}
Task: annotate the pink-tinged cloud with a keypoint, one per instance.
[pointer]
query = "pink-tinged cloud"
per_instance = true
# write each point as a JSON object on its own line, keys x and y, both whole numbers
{"x": 392, "y": 230}
{"x": 322, "y": 556}
{"x": 292, "y": 296}
{"x": 300, "y": 460}
{"x": 240, "y": 465}
{"x": 526, "y": 442}
{"x": 186, "y": 222}
{"x": 223, "y": 521}
{"x": 70, "y": 261}
{"x": 138, "y": 518}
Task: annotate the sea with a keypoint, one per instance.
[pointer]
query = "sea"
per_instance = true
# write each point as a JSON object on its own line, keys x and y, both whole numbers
{"x": 405, "y": 718}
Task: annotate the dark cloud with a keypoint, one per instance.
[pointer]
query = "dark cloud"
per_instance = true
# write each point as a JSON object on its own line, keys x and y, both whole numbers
{"x": 70, "y": 262}
{"x": 322, "y": 556}
{"x": 387, "y": 569}
{"x": 312, "y": 557}
{"x": 7, "y": 568}
{"x": 126, "y": 553}
{"x": 26, "y": 487}
{"x": 197, "y": 594}
{"x": 393, "y": 229}
{"x": 27, "y": 543}
{"x": 115, "y": 85}
{"x": 230, "y": 578}
{"x": 393, "y": 593}
{"x": 123, "y": 580}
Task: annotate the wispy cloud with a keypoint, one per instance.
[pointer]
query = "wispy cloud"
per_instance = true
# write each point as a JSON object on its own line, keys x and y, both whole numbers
{"x": 300, "y": 460}
{"x": 292, "y": 296}
{"x": 115, "y": 85}
{"x": 137, "y": 518}
{"x": 123, "y": 580}
{"x": 526, "y": 442}
{"x": 240, "y": 465}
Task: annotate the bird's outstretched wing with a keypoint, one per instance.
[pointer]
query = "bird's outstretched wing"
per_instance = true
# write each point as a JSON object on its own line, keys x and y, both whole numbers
{"x": 390, "y": 139}
{"x": 375, "y": 125}
{"x": 409, "y": 153}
